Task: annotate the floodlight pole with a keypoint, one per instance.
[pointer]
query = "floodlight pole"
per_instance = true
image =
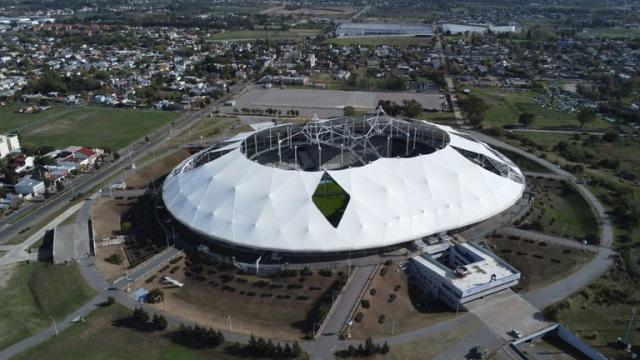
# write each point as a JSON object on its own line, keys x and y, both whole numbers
{"x": 258, "y": 265}
{"x": 407, "y": 149}
{"x": 279, "y": 150}
{"x": 389, "y": 145}
{"x": 295, "y": 157}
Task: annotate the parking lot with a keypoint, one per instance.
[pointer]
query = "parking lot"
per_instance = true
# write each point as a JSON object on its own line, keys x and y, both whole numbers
{"x": 327, "y": 103}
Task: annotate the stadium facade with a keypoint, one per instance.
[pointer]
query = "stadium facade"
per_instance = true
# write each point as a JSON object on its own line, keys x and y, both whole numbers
{"x": 340, "y": 185}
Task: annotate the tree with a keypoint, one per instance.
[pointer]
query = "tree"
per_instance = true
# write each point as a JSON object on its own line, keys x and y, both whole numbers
{"x": 140, "y": 315}
{"x": 585, "y": 115}
{"x": 287, "y": 351}
{"x": 385, "y": 348}
{"x": 475, "y": 108}
{"x": 155, "y": 296}
{"x": 296, "y": 350}
{"x": 159, "y": 322}
{"x": 525, "y": 119}
{"x": 412, "y": 108}
{"x": 349, "y": 111}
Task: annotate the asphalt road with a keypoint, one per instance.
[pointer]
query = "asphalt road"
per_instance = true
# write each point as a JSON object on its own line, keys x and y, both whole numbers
{"x": 87, "y": 182}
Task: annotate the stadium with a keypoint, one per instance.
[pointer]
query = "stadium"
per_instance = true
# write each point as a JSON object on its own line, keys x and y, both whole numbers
{"x": 340, "y": 186}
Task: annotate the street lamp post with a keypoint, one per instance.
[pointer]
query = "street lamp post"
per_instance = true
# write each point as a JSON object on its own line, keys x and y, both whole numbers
{"x": 54, "y": 324}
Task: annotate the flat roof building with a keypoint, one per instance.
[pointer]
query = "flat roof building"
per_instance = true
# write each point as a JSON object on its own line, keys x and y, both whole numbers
{"x": 382, "y": 29}
{"x": 458, "y": 273}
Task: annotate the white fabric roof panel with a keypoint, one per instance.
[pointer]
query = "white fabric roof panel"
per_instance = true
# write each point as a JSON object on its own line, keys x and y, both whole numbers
{"x": 392, "y": 200}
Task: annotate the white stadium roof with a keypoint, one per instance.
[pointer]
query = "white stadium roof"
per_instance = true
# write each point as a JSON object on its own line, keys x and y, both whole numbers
{"x": 392, "y": 200}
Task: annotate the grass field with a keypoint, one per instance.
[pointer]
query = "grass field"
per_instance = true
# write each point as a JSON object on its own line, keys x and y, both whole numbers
{"x": 523, "y": 163}
{"x": 446, "y": 118}
{"x": 36, "y": 291}
{"x": 506, "y": 107}
{"x": 13, "y": 121}
{"x": 101, "y": 336}
{"x": 600, "y": 314}
{"x": 429, "y": 347}
{"x": 562, "y": 211}
{"x": 265, "y": 34}
{"x": 380, "y": 40}
{"x": 332, "y": 201}
{"x": 540, "y": 263}
{"x": 97, "y": 126}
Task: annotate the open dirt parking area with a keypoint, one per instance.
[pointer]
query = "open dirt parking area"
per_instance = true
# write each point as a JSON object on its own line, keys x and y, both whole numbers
{"x": 327, "y": 102}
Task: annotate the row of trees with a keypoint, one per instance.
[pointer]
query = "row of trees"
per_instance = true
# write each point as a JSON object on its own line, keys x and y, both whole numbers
{"x": 261, "y": 347}
{"x": 199, "y": 336}
{"x": 369, "y": 348}
{"x": 409, "y": 108}
{"x": 141, "y": 318}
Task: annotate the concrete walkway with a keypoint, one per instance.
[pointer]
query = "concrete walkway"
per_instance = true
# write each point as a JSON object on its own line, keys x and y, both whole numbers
{"x": 349, "y": 298}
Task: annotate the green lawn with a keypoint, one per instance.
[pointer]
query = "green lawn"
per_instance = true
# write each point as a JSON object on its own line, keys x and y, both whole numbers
{"x": 101, "y": 337}
{"x": 380, "y": 40}
{"x": 506, "y": 107}
{"x": 332, "y": 200}
{"x": 539, "y": 262}
{"x": 625, "y": 150}
{"x": 36, "y": 291}
{"x": 562, "y": 213}
{"x": 599, "y": 315}
{"x": 14, "y": 121}
{"x": 97, "y": 127}
{"x": 265, "y": 34}
{"x": 446, "y": 118}
{"x": 523, "y": 163}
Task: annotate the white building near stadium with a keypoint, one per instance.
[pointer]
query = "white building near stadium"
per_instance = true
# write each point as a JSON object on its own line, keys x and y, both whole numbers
{"x": 394, "y": 180}
{"x": 383, "y": 29}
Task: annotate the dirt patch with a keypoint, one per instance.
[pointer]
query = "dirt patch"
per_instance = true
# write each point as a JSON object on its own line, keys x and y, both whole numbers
{"x": 109, "y": 271}
{"x": 410, "y": 308}
{"x": 274, "y": 307}
{"x": 106, "y": 214}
